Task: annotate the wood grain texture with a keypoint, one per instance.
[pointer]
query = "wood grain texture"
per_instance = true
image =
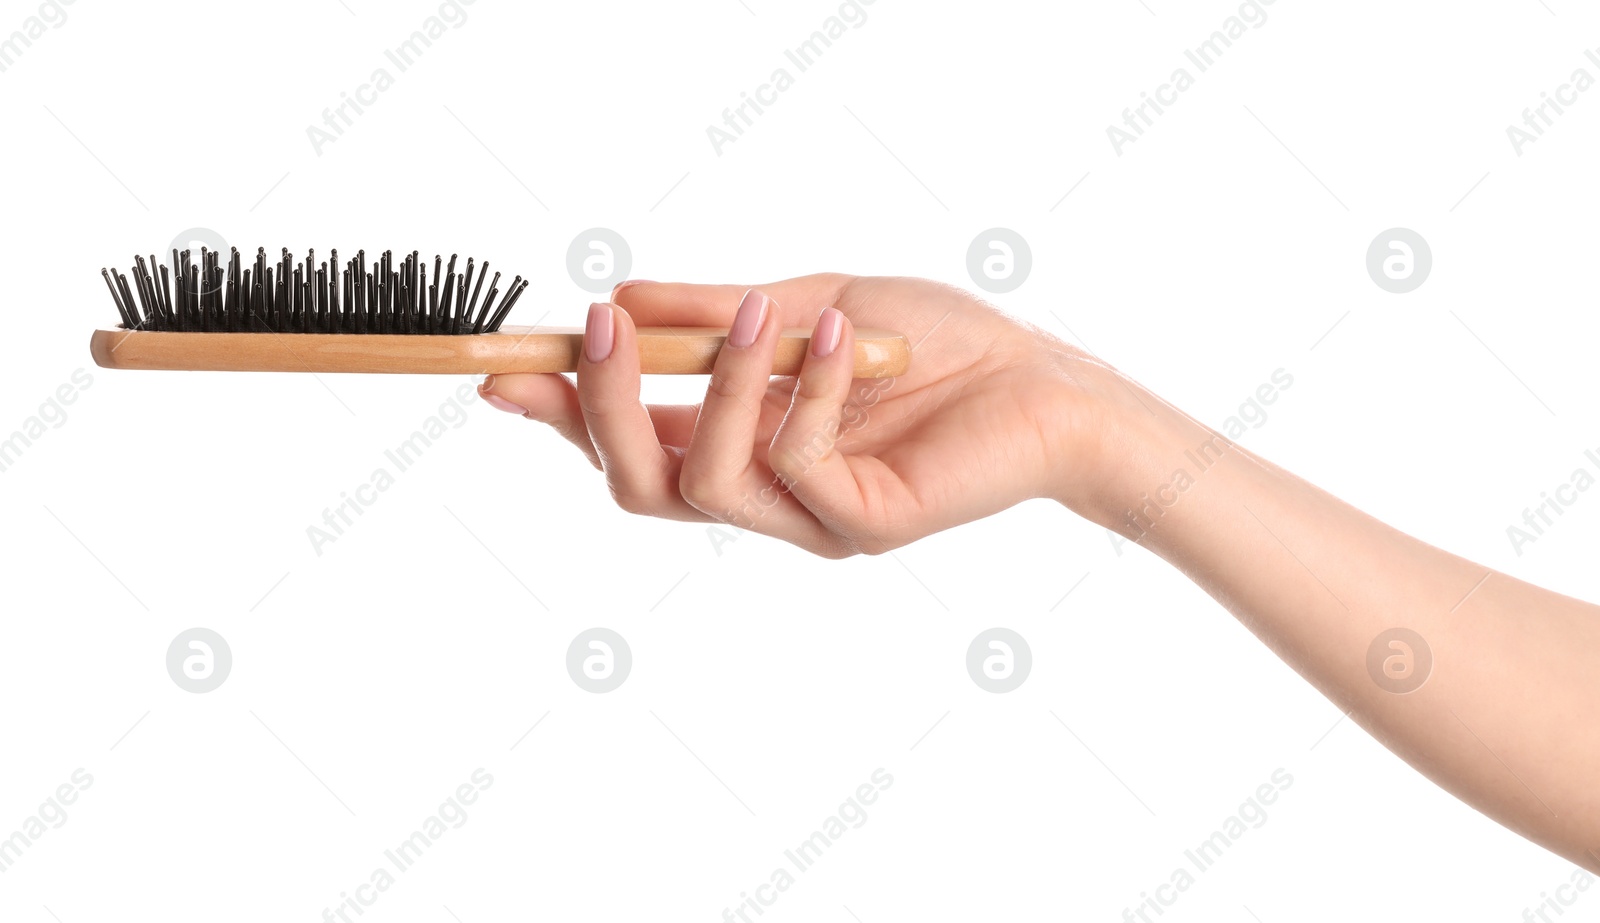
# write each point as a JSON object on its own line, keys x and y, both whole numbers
{"x": 662, "y": 351}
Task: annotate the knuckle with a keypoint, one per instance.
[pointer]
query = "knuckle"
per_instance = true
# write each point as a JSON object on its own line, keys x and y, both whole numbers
{"x": 600, "y": 402}
{"x": 725, "y": 385}
{"x": 702, "y": 490}
{"x": 793, "y": 455}
{"x": 632, "y": 501}
{"x": 817, "y": 387}
{"x": 786, "y": 464}
{"x": 833, "y": 283}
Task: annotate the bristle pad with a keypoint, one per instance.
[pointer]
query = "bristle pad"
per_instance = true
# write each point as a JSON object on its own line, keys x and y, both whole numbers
{"x": 286, "y": 296}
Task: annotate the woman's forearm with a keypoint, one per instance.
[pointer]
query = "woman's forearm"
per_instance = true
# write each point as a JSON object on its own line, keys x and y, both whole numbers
{"x": 1506, "y": 716}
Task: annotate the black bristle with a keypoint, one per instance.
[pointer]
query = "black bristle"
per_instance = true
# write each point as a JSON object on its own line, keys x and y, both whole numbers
{"x": 487, "y": 314}
{"x": 412, "y": 300}
{"x": 333, "y": 292}
{"x": 466, "y": 287}
{"x": 240, "y": 320}
{"x": 483, "y": 312}
{"x": 405, "y": 298}
{"x": 198, "y": 295}
{"x": 130, "y": 314}
{"x": 468, "y": 306}
{"x": 127, "y": 296}
{"x": 347, "y": 315}
{"x": 166, "y": 293}
{"x": 202, "y": 302}
{"x": 448, "y": 295}
{"x": 286, "y": 295}
{"x": 180, "y": 282}
{"x": 424, "y": 302}
{"x": 506, "y": 306}
{"x": 269, "y": 301}
{"x": 139, "y": 274}
{"x": 297, "y": 302}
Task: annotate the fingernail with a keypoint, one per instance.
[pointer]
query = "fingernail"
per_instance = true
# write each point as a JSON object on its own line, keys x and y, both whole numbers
{"x": 500, "y": 403}
{"x": 830, "y": 326}
{"x": 622, "y": 285}
{"x": 747, "y": 322}
{"x": 598, "y": 333}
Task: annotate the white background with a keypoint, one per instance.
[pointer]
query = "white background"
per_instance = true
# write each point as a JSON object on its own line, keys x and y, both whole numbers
{"x": 370, "y": 681}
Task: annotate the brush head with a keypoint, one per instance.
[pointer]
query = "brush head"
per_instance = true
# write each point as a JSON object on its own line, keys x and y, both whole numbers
{"x": 289, "y": 296}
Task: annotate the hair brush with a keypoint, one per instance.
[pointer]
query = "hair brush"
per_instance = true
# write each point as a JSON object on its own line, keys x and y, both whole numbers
{"x": 287, "y": 316}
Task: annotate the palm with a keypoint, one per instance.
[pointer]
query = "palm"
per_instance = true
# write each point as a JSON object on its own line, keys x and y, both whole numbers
{"x": 929, "y": 444}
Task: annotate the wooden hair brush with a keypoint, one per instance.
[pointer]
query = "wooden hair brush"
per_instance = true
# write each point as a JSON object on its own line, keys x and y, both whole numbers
{"x": 284, "y": 316}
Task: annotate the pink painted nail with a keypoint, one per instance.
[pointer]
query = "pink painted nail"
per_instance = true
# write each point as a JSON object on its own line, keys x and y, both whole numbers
{"x": 500, "y": 403}
{"x": 599, "y": 333}
{"x": 830, "y": 326}
{"x": 747, "y": 322}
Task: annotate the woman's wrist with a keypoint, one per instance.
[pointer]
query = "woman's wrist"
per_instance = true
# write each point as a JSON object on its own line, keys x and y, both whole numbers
{"x": 1126, "y": 455}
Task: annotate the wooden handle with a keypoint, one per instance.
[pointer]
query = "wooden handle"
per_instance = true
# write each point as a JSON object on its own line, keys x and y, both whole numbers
{"x": 662, "y": 351}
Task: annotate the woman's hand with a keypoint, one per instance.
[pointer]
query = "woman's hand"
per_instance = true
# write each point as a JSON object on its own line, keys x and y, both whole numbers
{"x": 990, "y": 413}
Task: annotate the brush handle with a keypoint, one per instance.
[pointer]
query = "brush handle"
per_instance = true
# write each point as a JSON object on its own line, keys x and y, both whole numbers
{"x": 662, "y": 351}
